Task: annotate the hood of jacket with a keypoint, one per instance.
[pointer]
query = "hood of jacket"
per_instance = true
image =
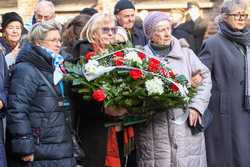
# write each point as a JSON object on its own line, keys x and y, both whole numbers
{"x": 36, "y": 56}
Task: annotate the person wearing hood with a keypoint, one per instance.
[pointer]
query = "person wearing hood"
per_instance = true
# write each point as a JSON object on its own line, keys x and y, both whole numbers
{"x": 38, "y": 117}
{"x": 227, "y": 55}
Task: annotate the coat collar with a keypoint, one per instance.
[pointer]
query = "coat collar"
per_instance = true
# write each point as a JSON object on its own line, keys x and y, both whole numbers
{"x": 176, "y": 50}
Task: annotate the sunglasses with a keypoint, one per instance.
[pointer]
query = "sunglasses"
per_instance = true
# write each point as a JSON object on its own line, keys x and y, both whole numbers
{"x": 106, "y": 30}
{"x": 239, "y": 16}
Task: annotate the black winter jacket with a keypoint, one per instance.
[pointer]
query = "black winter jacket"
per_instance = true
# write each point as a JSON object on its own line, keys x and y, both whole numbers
{"x": 36, "y": 124}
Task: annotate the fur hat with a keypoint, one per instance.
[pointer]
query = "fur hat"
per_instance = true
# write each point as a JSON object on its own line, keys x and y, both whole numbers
{"x": 10, "y": 17}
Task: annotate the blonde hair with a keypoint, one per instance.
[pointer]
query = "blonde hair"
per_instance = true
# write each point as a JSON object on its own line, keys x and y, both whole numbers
{"x": 94, "y": 23}
{"x": 39, "y": 30}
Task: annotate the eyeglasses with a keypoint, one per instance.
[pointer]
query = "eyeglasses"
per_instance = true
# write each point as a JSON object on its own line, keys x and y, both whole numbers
{"x": 239, "y": 16}
{"x": 106, "y": 30}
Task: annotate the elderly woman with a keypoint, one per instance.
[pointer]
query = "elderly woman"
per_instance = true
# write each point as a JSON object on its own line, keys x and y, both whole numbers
{"x": 39, "y": 127}
{"x": 168, "y": 140}
{"x": 227, "y": 55}
{"x": 12, "y": 25}
{"x": 98, "y": 33}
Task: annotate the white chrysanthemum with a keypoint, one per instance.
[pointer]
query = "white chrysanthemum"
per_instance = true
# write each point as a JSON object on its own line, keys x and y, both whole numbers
{"x": 133, "y": 56}
{"x": 91, "y": 66}
{"x": 154, "y": 86}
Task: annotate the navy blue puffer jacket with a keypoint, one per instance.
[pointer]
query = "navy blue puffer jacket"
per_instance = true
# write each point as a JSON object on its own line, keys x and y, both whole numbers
{"x": 36, "y": 124}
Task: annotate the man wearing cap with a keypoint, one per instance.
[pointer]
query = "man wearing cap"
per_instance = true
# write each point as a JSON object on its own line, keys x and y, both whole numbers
{"x": 125, "y": 14}
{"x": 193, "y": 30}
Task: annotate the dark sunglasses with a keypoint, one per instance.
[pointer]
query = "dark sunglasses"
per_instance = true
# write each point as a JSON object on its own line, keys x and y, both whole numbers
{"x": 106, "y": 30}
{"x": 239, "y": 16}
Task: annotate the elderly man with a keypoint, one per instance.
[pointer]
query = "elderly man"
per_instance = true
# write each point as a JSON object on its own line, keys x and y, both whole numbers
{"x": 125, "y": 14}
{"x": 44, "y": 11}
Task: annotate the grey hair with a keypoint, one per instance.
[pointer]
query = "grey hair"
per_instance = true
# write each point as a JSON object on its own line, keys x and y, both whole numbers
{"x": 94, "y": 23}
{"x": 39, "y": 30}
{"x": 45, "y": 3}
{"x": 228, "y": 6}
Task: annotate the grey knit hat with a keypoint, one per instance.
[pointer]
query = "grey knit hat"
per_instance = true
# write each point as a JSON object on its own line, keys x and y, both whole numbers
{"x": 153, "y": 19}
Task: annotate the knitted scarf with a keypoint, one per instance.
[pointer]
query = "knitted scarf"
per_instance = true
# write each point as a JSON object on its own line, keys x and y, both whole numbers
{"x": 241, "y": 40}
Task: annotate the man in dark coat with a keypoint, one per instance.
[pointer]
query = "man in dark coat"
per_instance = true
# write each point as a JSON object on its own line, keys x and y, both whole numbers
{"x": 3, "y": 105}
{"x": 227, "y": 55}
{"x": 125, "y": 14}
{"x": 193, "y": 30}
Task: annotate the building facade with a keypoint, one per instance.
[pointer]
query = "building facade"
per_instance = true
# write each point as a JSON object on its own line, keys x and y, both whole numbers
{"x": 68, "y": 8}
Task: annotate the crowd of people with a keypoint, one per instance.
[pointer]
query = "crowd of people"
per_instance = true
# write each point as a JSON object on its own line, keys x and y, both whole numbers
{"x": 44, "y": 123}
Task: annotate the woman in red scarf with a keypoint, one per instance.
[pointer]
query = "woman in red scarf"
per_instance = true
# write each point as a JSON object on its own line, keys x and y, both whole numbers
{"x": 99, "y": 142}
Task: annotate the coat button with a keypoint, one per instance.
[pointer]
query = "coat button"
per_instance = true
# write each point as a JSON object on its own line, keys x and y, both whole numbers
{"x": 242, "y": 82}
{"x": 175, "y": 146}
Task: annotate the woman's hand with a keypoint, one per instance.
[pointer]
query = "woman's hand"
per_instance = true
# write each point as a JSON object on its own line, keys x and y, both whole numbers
{"x": 196, "y": 79}
{"x": 115, "y": 111}
{"x": 28, "y": 158}
{"x": 194, "y": 117}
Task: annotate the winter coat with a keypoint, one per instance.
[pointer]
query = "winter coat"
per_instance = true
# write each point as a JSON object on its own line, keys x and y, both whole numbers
{"x": 37, "y": 124}
{"x": 164, "y": 143}
{"x": 4, "y": 46}
{"x": 3, "y": 98}
{"x": 227, "y": 139}
{"x": 138, "y": 36}
{"x": 193, "y": 32}
{"x": 90, "y": 120}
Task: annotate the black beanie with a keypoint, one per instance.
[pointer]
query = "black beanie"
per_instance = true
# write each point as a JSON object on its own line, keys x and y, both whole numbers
{"x": 122, "y": 5}
{"x": 88, "y": 11}
{"x": 9, "y": 17}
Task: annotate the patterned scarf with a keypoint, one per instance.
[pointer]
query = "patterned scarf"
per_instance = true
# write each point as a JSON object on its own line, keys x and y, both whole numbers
{"x": 241, "y": 40}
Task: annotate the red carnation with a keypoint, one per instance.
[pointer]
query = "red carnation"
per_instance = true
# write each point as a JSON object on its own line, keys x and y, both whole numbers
{"x": 118, "y": 58}
{"x": 89, "y": 54}
{"x": 98, "y": 95}
{"x": 153, "y": 65}
{"x": 174, "y": 88}
{"x": 135, "y": 74}
{"x": 141, "y": 55}
{"x": 118, "y": 54}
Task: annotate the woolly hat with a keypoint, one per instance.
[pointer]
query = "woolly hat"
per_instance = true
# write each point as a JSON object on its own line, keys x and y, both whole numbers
{"x": 122, "y": 5}
{"x": 153, "y": 19}
{"x": 10, "y": 17}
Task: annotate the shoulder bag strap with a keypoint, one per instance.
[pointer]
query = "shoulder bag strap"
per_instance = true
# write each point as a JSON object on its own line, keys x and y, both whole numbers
{"x": 52, "y": 89}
